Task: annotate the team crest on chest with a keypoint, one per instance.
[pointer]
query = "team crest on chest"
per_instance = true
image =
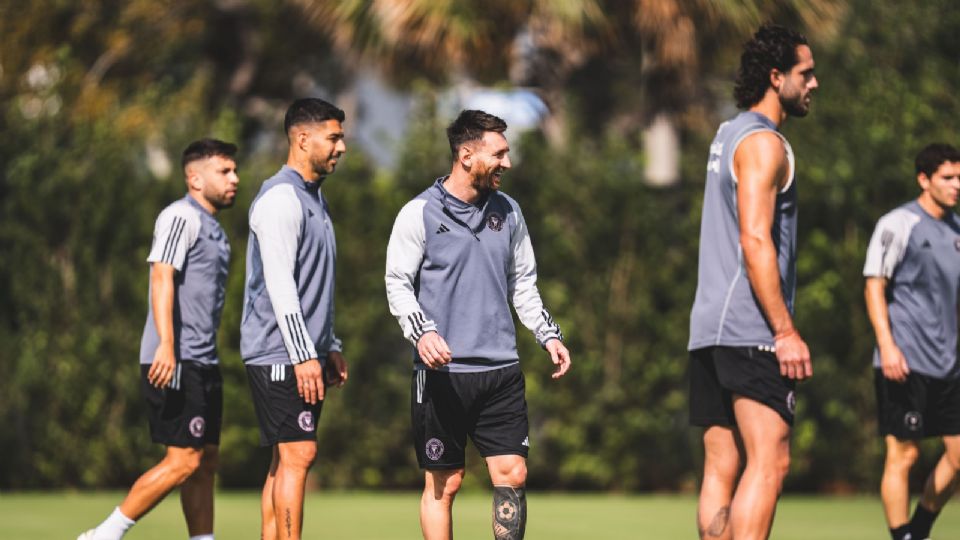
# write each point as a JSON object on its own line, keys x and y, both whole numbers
{"x": 495, "y": 221}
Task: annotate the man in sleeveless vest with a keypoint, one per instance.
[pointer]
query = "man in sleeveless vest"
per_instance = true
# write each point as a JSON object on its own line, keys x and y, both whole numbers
{"x": 746, "y": 354}
{"x": 179, "y": 368}
{"x": 912, "y": 279}
{"x": 459, "y": 255}
{"x": 286, "y": 334}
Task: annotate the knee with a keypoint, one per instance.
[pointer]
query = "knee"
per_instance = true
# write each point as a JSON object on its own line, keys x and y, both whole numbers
{"x": 297, "y": 455}
{"x": 209, "y": 462}
{"x": 185, "y": 463}
{"x": 722, "y": 466}
{"x": 514, "y": 475}
{"x": 902, "y": 457}
{"x": 444, "y": 485}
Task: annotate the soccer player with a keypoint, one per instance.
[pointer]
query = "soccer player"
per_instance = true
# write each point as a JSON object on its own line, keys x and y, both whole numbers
{"x": 745, "y": 352}
{"x": 286, "y": 334}
{"x": 912, "y": 276}
{"x": 178, "y": 352}
{"x": 459, "y": 254}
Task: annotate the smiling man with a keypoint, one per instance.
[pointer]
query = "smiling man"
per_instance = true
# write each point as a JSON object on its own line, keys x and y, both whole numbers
{"x": 459, "y": 255}
{"x": 180, "y": 375}
{"x": 286, "y": 334}
{"x": 912, "y": 279}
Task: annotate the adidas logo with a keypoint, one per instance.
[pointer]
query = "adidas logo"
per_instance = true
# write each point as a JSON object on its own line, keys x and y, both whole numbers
{"x": 526, "y": 442}
{"x": 443, "y": 228}
{"x": 926, "y": 244}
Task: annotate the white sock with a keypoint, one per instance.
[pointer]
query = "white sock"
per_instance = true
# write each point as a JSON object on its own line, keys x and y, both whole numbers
{"x": 202, "y": 537}
{"x": 114, "y": 527}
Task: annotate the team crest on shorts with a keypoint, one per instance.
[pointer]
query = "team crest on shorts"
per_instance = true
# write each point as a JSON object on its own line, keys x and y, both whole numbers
{"x": 495, "y": 221}
{"x": 434, "y": 449}
{"x": 792, "y": 402}
{"x": 913, "y": 421}
{"x": 197, "y": 426}
{"x": 305, "y": 420}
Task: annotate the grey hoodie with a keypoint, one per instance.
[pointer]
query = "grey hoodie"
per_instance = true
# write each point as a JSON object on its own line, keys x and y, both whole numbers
{"x": 455, "y": 267}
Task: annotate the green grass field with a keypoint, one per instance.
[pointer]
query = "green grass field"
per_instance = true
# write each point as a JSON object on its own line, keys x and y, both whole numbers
{"x": 385, "y": 516}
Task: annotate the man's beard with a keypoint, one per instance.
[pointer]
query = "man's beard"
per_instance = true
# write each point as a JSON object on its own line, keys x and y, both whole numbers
{"x": 795, "y": 105}
{"x": 484, "y": 181}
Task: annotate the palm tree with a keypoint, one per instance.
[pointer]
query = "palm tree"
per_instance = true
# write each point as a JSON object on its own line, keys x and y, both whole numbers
{"x": 659, "y": 47}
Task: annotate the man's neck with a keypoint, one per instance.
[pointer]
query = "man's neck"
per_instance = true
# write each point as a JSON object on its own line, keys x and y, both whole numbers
{"x": 460, "y": 185}
{"x": 770, "y": 107}
{"x": 197, "y": 196}
{"x": 931, "y": 207}
{"x": 302, "y": 166}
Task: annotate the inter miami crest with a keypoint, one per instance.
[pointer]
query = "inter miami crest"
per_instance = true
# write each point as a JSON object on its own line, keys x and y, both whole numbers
{"x": 495, "y": 221}
{"x": 434, "y": 449}
{"x": 305, "y": 420}
{"x": 913, "y": 421}
{"x": 197, "y": 425}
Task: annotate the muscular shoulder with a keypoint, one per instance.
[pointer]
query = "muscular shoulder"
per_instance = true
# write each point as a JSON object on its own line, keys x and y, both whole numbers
{"x": 761, "y": 155}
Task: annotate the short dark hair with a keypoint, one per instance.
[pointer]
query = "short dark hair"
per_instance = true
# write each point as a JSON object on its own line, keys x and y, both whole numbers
{"x": 470, "y": 126}
{"x": 310, "y": 111}
{"x": 205, "y": 148}
{"x": 772, "y": 47}
{"x": 933, "y": 155}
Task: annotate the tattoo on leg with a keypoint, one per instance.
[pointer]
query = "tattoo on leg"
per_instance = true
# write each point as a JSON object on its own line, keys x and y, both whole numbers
{"x": 717, "y": 525}
{"x": 289, "y": 523}
{"x": 509, "y": 512}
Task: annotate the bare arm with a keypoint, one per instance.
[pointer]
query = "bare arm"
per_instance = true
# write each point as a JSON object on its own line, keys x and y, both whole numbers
{"x": 161, "y": 298}
{"x": 761, "y": 166}
{"x": 892, "y": 361}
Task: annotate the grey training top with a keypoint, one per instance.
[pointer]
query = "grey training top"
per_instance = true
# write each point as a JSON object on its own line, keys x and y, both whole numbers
{"x": 454, "y": 268}
{"x": 188, "y": 237}
{"x": 725, "y": 309}
{"x": 920, "y": 257}
{"x": 291, "y": 255}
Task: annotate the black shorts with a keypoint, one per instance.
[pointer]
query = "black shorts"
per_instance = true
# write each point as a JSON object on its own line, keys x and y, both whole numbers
{"x": 921, "y": 407}
{"x": 283, "y": 415}
{"x": 489, "y": 407}
{"x": 717, "y": 373}
{"x": 189, "y": 411}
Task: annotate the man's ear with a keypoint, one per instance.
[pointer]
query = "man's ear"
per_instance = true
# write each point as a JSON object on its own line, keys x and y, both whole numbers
{"x": 923, "y": 180}
{"x": 465, "y": 156}
{"x": 776, "y": 79}
{"x": 192, "y": 177}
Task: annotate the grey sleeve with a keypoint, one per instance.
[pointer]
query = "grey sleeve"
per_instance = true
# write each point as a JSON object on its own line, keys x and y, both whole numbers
{"x": 404, "y": 256}
{"x": 889, "y": 243}
{"x": 174, "y": 233}
{"x": 276, "y": 220}
{"x": 522, "y": 285}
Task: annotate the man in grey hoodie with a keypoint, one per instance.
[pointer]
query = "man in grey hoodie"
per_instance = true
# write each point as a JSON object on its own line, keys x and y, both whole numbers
{"x": 286, "y": 334}
{"x": 459, "y": 254}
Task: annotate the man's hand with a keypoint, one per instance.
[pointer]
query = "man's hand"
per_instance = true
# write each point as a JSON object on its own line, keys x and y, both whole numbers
{"x": 793, "y": 355}
{"x": 163, "y": 366}
{"x": 434, "y": 350}
{"x": 893, "y": 363}
{"x": 309, "y": 380}
{"x": 560, "y": 357}
{"x": 335, "y": 372}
